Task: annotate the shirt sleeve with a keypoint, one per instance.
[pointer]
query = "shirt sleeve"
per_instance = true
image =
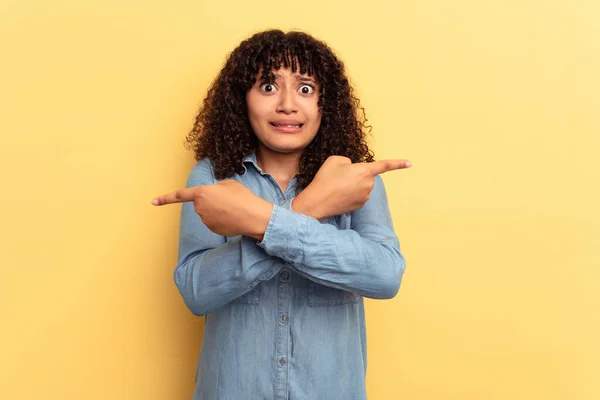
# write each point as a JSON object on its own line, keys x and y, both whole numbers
{"x": 212, "y": 270}
{"x": 365, "y": 259}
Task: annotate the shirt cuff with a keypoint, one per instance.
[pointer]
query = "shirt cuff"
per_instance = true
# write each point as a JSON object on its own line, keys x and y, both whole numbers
{"x": 284, "y": 233}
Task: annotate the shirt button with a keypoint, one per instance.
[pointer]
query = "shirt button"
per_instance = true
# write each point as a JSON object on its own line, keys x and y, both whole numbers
{"x": 285, "y": 276}
{"x": 283, "y": 319}
{"x": 282, "y": 361}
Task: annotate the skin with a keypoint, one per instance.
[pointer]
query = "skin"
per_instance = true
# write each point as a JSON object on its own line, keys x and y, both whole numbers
{"x": 292, "y": 97}
{"x": 228, "y": 208}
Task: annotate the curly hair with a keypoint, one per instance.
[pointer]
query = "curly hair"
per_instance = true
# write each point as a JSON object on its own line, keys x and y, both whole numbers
{"x": 222, "y": 130}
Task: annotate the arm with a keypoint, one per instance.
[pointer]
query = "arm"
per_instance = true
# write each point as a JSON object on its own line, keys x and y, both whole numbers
{"x": 212, "y": 271}
{"x": 365, "y": 259}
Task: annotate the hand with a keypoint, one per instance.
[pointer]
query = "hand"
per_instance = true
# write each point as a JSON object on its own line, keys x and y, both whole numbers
{"x": 340, "y": 186}
{"x": 227, "y": 208}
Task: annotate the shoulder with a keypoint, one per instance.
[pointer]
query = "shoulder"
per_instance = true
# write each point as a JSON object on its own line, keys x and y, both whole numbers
{"x": 201, "y": 173}
{"x": 378, "y": 181}
{"x": 376, "y": 210}
{"x": 379, "y": 187}
{"x": 378, "y": 201}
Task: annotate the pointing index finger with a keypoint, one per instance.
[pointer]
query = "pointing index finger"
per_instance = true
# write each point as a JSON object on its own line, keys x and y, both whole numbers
{"x": 379, "y": 167}
{"x": 178, "y": 196}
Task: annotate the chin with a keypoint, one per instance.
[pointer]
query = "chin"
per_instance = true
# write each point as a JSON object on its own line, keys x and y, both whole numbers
{"x": 285, "y": 148}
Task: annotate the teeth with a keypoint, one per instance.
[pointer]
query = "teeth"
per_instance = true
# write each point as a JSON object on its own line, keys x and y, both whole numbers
{"x": 288, "y": 126}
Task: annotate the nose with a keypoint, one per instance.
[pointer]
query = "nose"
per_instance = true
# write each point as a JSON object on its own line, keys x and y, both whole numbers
{"x": 287, "y": 104}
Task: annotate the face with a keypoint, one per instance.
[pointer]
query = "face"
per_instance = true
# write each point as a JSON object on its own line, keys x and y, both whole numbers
{"x": 284, "y": 114}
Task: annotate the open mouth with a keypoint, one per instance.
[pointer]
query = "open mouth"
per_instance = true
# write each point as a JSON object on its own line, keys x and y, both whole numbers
{"x": 286, "y": 125}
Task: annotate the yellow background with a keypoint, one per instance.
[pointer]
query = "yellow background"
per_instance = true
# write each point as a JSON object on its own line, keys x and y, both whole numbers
{"x": 496, "y": 103}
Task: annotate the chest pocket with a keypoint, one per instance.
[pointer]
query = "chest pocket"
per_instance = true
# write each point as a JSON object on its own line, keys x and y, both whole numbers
{"x": 250, "y": 297}
{"x": 325, "y": 296}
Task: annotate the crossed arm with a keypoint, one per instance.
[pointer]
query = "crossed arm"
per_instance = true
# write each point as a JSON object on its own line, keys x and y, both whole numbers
{"x": 213, "y": 270}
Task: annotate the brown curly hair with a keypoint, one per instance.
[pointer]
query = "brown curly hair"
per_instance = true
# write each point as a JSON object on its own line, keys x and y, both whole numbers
{"x": 222, "y": 129}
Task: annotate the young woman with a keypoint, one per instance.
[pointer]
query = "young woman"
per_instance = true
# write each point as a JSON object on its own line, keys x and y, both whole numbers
{"x": 285, "y": 226}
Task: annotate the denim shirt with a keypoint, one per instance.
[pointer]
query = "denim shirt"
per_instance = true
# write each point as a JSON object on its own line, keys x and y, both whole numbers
{"x": 285, "y": 317}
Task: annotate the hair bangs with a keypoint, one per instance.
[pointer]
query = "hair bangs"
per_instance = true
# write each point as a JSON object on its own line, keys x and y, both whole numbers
{"x": 286, "y": 55}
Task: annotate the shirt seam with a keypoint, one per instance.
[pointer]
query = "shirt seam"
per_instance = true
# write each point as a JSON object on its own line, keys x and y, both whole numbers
{"x": 267, "y": 234}
{"x": 301, "y": 239}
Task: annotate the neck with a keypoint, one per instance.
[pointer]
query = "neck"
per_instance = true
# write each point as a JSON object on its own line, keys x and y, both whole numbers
{"x": 281, "y": 166}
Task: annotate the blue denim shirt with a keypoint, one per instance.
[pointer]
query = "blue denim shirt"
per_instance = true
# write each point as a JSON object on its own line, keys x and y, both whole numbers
{"x": 285, "y": 318}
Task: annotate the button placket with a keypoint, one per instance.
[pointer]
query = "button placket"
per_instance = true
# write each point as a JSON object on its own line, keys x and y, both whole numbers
{"x": 283, "y": 333}
{"x": 284, "y": 277}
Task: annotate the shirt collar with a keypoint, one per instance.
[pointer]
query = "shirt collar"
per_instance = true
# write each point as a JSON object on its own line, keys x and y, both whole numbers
{"x": 251, "y": 159}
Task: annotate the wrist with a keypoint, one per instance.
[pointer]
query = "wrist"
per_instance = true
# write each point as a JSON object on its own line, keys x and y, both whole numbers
{"x": 258, "y": 219}
{"x": 308, "y": 204}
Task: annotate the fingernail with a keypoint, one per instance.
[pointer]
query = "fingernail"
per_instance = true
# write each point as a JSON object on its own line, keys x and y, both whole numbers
{"x": 155, "y": 202}
{"x": 408, "y": 164}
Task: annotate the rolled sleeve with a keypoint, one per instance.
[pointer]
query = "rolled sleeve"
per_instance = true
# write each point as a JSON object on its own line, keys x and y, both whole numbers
{"x": 283, "y": 236}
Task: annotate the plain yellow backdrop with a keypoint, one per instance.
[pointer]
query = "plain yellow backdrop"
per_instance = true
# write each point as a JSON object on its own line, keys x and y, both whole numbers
{"x": 496, "y": 103}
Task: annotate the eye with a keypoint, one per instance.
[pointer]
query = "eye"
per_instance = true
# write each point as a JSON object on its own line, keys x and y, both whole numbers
{"x": 268, "y": 88}
{"x": 306, "y": 89}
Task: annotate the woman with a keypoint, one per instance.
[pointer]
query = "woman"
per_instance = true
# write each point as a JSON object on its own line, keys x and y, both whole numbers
{"x": 294, "y": 226}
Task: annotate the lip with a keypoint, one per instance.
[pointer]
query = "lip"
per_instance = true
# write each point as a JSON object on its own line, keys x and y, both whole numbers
{"x": 286, "y": 122}
{"x": 286, "y": 129}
